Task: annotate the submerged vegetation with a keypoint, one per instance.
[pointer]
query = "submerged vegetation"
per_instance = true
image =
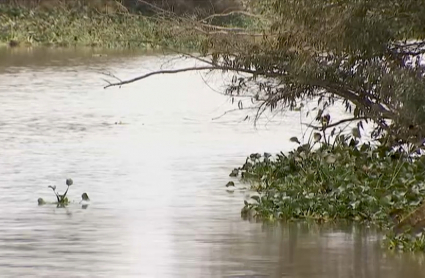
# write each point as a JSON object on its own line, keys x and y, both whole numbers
{"x": 61, "y": 199}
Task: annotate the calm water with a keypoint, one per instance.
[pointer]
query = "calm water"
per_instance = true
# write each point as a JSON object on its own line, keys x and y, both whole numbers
{"x": 159, "y": 205}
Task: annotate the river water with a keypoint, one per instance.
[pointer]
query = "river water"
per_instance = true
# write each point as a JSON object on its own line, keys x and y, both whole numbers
{"x": 159, "y": 206}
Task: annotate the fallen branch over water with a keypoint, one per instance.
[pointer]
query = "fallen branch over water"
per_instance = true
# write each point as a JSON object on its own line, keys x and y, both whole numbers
{"x": 201, "y": 68}
{"x": 144, "y": 76}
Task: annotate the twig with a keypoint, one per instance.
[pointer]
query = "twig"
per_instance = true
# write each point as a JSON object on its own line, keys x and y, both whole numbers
{"x": 107, "y": 81}
{"x": 260, "y": 111}
{"x": 227, "y": 31}
{"x": 232, "y": 13}
{"x": 111, "y": 75}
{"x": 231, "y": 111}
{"x": 323, "y": 128}
{"x": 216, "y": 27}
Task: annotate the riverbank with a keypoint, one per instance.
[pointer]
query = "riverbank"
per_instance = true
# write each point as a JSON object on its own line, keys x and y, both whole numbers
{"x": 61, "y": 27}
{"x": 345, "y": 181}
{"x": 77, "y": 27}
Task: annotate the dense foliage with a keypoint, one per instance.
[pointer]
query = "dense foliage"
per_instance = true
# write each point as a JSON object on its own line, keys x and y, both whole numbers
{"x": 345, "y": 182}
{"x": 76, "y": 27}
{"x": 364, "y": 53}
{"x": 106, "y": 24}
{"x": 139, "y": 6}
{"x": 342, "y": 180}
{"x": 367, "y": 55}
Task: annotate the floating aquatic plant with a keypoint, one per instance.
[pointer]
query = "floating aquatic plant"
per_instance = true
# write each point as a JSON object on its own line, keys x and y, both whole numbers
{"x": 230, "y": 183}
{"x": 342, "y": 180}
{"x": 61, "y": 199}
{"x": 85, "y": 197}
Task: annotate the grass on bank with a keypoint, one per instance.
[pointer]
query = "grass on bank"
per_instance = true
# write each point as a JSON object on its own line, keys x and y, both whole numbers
{"x": 343, "y": 180}
{"x": 59, "y": 27}
{"x": 88, "y": 27}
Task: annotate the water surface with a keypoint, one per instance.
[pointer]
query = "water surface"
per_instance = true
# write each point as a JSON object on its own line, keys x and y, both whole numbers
{"x": 159, "y": 205}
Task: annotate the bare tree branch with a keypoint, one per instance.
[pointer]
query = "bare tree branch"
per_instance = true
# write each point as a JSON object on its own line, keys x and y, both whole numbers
{"x": 111, "y": 75}
{"x": 233, "y": 110}
{"x": 322, "y": 128}
{"x": 211, "y": 67}
{"x": 227, "y": 31}
{"x": 160, "y": 72}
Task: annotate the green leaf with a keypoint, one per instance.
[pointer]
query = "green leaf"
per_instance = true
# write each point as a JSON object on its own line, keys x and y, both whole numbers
{"x": 85, "y": 197}
{"x": 295, "y": 140}
{"x": 256, "y": 198}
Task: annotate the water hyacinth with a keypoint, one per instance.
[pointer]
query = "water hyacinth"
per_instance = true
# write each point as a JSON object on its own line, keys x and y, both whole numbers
{"x": 344, "y": 180}
{"x": 85, "y": 197}
{"x": 317, "y": 136}
{"x": 230, "y": 183}
{"x": 62, "y": 199}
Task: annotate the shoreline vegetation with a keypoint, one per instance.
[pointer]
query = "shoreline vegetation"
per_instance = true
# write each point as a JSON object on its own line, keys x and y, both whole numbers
{"x": 110, "y": 26}
{"x": 340, "y": 180}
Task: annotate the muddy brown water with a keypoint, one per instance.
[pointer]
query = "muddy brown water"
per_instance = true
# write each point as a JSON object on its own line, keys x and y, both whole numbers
{"x": 159, "y": 207}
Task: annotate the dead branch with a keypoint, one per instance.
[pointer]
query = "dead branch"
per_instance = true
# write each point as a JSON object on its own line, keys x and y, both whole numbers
{"x": 228, "y": 31}
{"x": 232, "y": 13}
{"x": 211, "y": 67}
{"x": 144, "y": 76}
{"x": 232, "y": 111}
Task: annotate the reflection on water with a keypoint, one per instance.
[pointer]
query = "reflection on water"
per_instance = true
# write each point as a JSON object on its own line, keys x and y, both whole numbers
{"x": 159, "y": 205}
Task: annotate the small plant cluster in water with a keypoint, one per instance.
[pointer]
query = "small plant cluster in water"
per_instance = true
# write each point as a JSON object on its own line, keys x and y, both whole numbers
{"x": 345, "y": 180}
{"x": 62, "y": 199}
